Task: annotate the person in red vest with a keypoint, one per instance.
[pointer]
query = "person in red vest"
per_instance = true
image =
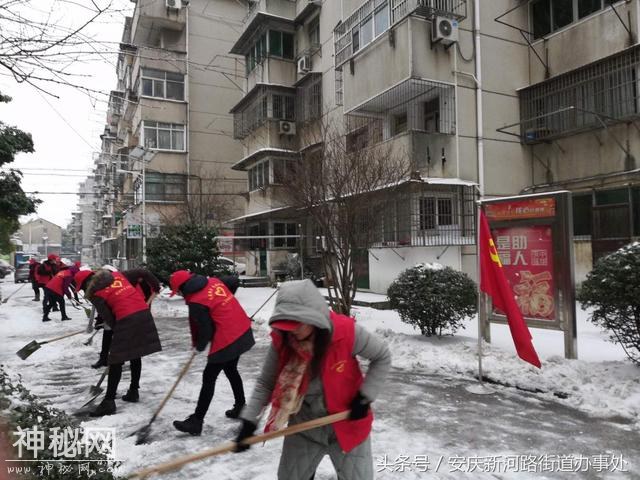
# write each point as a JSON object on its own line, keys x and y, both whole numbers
{"x": 149, "y": 286}
{"x": 124, "y": 310}
{"x": 54, "y": 292}
{"x": 35, "y": 285}
{"x": 311, "y": 371}
{"x": 216, "y": 317}
{"x": 46, "y": 270}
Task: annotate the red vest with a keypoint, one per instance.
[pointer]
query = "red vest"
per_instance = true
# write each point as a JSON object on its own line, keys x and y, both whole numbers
{"x": 38, "y": 277}
{"x": 56, "y": 284}
{"x": 229, "y": 318}
{"x": 122, "y": 298}
{"x": 341, "y": 379}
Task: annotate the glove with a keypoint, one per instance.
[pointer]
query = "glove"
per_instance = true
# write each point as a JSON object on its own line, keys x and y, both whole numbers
{"x": 99, "y": 324}
{"x": 246, "y": 431}
{"x": 359, "y": 407}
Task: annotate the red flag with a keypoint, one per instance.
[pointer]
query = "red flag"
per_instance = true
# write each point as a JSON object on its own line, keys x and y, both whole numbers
{"x": 494, "y": 283}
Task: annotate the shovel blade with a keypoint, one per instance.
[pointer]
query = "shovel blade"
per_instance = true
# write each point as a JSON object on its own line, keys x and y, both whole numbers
{"x": 28, "y": 349}
{"x": 142, "y": 434}
{"x": 94, "y": 392}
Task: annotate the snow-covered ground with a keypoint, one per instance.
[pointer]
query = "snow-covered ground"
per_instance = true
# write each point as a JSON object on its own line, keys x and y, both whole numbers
{"x": 429, "y": 409}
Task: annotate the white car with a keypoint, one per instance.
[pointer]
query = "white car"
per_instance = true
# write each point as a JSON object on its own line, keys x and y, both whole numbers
{"x": 238, "y": 267}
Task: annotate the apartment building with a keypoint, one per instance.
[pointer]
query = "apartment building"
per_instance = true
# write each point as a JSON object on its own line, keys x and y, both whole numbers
{"x": 501, "y": 97}
{"x": 168, "y": 140}
{"x": 81, "y": 228}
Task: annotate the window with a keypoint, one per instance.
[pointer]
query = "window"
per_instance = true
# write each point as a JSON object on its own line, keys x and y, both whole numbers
{"x": 280, "y": 44}
{"x": 582, "y": 213}
{"x": 355, "y": 42}
{"x": 257, "y": 53}
{"x": 161, "y": 84}
{"x": 165, "y": 187}
{"x": 283, "y": 107}
{"x": 366, "y": 31}
{"x": 432, "y": 116}
{"x": 258, "y": 176}
{"x": 314, "y": 32}
{"x": 436, "y": 212}
{"x": 400, "y": 123}
{"x": 551, "y": 15}
{"x": 284, "y": 229}
{"x": 163, "y": 136}
{"x": 562, "y": 11}
{"x": 381, "y": 17}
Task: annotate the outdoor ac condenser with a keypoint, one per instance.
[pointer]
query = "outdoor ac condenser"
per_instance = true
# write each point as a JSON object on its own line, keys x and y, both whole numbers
{"x": 444, "y": 30}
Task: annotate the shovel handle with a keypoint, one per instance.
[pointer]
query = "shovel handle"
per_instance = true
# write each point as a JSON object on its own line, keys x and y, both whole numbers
{"x": 230, "y": 446}
{"x": 63, "y": 336}
{"x": 166, "y": 398}
{"x": 265, "y": 302}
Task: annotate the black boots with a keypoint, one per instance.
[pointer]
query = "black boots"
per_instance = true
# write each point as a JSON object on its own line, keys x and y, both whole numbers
{"x": 106, "y": 407}
{"x": 46, "y": 318}
{"x": 235, "y": 411}
{"x": 66, "y": 318}
{"x": 100, "y": 363}
{"x": 131, "y": 395}
{"x": 191, "y": 425}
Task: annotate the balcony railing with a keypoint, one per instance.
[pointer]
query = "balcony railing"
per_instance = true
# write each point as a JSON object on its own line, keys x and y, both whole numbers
{"x": 377, "y": 16}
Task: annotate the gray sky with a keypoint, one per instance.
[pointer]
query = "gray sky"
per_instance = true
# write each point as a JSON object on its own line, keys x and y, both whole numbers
{"x": 66, "y": 129}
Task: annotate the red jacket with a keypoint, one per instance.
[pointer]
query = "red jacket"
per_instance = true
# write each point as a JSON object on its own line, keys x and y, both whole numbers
{"x": 60, "y": 282}
{"x": 227, "y": 315}
{"x": 341, "y": 380}
{"x": 121, "y": 297}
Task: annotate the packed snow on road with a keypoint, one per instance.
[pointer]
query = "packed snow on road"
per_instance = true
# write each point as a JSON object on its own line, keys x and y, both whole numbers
{"x": 433, "y": 419}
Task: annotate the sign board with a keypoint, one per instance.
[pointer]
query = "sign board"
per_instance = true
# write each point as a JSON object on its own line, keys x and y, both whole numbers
{"x": 534, "y": 239}
{"x": 134, "y": 231}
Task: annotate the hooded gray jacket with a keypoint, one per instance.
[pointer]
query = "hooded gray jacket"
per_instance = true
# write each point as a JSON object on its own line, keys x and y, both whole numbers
{"x": 300, "y": 300}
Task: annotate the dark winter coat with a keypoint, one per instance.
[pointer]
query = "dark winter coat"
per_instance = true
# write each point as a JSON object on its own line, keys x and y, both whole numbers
{"x": 208, "y": 314}
{"x": 47, "y": 270}
{"x": 143, "y": 280}
{"x": 126, "y": 312}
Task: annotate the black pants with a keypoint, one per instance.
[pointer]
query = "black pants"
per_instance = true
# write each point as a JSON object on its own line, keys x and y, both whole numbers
{"x": 115, "y": 373}
{"x": 107, "y": 335}
{"x": 36, "y": 289}
{"x": 209, "y": 377}
{"x": 51, "y": 298}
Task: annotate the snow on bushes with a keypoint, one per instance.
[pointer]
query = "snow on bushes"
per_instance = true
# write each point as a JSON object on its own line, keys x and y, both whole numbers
{"x": 433, "y": 298}
{"x": 612, "y": 289}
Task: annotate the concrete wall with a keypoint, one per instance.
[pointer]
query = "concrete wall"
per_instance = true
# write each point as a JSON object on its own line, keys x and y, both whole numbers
{"x": 385, "y": 264}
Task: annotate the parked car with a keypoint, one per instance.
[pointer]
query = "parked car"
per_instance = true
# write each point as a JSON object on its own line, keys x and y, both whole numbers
{"x": 22, "y": 273}
{"x": 238, "y": 267}
{"x": 5, "y": 268}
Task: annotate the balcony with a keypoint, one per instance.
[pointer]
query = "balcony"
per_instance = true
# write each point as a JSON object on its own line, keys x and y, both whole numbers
{"x": 591, "y": 97}
{"x": 375, "y": 17}
{"x": 154, "y": 14}
{"x": 115, "y": 109}
{"x": 277, "y": 8}
{"x": 263, "y": 103}
{"x": 264, "y": 15}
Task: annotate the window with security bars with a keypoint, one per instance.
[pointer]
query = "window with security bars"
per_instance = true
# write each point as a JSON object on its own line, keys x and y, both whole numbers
{"x": 309, "y": 99}
{"x": 603, "y": 92}
{"x": 262, "y": 104}
{"x": 284, "y": 229}
{"x": 165, "y": 187}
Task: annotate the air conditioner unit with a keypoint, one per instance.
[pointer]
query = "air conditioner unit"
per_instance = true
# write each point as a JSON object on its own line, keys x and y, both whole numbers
{"x": 174, "y": 4}
{"x": 304, "y": 64}
{"x": 444, "y": 30}
{"x": 286, "y": 128}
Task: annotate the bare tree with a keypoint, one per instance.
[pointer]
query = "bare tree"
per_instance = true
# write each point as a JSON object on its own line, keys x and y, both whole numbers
{"x": 342, "y": 184}
{"x": 39, "y": 42}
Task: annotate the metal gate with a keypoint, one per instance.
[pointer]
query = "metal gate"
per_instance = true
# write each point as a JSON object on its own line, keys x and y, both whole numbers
{"x": 611, "y": 228}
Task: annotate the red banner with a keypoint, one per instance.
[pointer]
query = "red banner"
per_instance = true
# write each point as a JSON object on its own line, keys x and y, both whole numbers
{"x": 520, "y": 209}
{"x": 526, "y": 254}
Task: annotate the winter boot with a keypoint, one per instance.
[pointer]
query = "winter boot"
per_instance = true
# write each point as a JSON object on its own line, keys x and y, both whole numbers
{"x": 235, "y": 411}
{"x": 46, "y": 318}
{"x": 191, "y": 424}
{"x": 106, "y": 407}
{"x": 131, "y": 395}
{"x": 37, "y": 299}
{"x": 66, "y": 318}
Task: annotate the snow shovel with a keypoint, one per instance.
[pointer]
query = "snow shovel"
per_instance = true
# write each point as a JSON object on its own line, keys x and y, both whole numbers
{"x": 230, "y": 446}
{"x": 90, "y": 339}
{"x": 5, "y": 300}
{"x": 96, "y": 390}
{"x": 91, "y": 313}
{"x": 34, "y": 345}
{"x": 144, "y": 432}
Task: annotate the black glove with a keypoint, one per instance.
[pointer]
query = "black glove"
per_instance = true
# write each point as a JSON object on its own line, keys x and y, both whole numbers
{"x": 246, "y": 431}
{"x": 359, "y": 407}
